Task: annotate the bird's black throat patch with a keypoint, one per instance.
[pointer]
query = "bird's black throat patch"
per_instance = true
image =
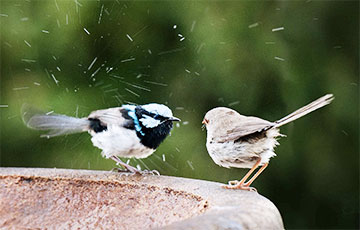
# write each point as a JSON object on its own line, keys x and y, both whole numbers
{"x": 153, "y": 137}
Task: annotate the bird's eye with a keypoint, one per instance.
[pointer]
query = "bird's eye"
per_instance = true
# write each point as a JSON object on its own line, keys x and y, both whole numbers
{"x": 157, "y": 117}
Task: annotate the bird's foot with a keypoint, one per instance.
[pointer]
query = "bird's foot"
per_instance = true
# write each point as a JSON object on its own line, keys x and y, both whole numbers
{"x": 233, "y": 182}
{"x": 128, "y": 169}
{"x": 124, "y": 172}
{"x": 241, "y": 186}
{"x": 134, "y": 171}
{"x": 150, "y": 172}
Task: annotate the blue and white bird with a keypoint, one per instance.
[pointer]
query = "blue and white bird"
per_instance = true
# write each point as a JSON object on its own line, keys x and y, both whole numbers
{"x": 127, "y": 131}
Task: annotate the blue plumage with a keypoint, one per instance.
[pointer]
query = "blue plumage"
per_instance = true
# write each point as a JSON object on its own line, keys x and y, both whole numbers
{"x": 131, "y": 113}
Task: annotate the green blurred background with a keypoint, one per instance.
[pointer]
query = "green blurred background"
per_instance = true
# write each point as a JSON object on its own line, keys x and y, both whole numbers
{"x": 73, "y": 57}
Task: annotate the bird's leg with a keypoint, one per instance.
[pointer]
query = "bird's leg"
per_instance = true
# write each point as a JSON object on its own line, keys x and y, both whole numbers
{"x": 247, "y": 184}
{"x": 242, "y": 181}
{"x": 241, "y": 184}
{"x": 128, "y": 168}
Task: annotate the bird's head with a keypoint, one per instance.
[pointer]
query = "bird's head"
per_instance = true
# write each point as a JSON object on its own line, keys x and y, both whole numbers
{"x": 154, "y": 114}
{"x": 153, "y": 122}
{"x": 217, "y": 117}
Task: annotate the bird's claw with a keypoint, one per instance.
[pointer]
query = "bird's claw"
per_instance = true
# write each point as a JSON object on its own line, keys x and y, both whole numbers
{"x": 119, "y": 170}
{"x": 133, "y": 171}
{"x": 149, "y": 172}
{"x": 233, "y": 182}
{"x": 123, "y": 172}
{"x": 232, "y": 185}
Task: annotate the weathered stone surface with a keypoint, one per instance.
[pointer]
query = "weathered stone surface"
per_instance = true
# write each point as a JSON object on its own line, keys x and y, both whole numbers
{"x": 83, "y": 199}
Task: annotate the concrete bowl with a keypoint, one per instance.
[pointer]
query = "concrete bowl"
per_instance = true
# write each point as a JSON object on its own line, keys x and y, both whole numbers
{"x": 81, "y": 199}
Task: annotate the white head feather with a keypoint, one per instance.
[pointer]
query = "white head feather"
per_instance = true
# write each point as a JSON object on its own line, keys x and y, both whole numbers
{"x": 162, "y": 110}
{"x": 149, "y": 122}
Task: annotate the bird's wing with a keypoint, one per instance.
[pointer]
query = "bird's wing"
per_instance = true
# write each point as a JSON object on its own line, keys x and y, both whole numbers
{"x": 243, "y": 127}
{"x": 113, "y": 116}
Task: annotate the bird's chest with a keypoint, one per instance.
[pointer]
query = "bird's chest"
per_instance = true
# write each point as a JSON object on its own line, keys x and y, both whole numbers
{"x": 120, "y": 142}
{"x": 230, "y": 154}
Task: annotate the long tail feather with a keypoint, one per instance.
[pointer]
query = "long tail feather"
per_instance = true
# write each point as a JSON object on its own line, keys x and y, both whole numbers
{"x": 317, "y": 104}
{"x": 56, "y": 124}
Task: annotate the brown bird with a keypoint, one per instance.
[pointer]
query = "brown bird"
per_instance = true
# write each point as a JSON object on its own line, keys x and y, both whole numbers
{"x": 235, "y": 140}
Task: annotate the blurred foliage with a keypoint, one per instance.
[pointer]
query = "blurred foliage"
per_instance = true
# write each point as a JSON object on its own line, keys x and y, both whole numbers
{"x": 73, "y": 57}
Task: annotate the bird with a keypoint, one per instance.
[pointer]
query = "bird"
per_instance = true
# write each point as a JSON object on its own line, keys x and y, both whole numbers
{"x": 238, "y": 141}
{"x": 129, "y": 131}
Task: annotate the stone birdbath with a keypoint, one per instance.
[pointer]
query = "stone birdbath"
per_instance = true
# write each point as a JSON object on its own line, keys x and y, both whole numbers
{"x": 37, "y": 198}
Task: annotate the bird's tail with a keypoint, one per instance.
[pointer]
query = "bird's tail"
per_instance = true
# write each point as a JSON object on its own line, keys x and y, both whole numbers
{"x": 56, "y": 124}
{"x": 317, "y": 104}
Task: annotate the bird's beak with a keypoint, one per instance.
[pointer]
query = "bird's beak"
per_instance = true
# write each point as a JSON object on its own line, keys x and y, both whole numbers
{"x": 173, "y": 119}
{"x": 204, "y": 123}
